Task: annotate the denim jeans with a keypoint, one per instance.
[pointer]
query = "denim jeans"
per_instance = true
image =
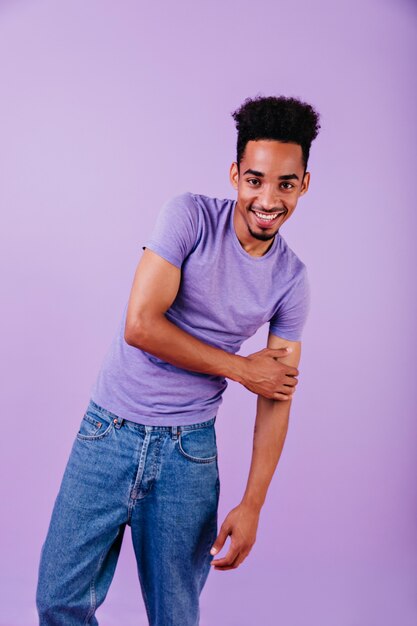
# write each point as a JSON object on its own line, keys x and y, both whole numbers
{"x": 161, "y": 480}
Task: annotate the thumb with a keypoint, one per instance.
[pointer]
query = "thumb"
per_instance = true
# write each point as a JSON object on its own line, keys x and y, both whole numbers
{"x": 279, "y": 351}
{"x": 221, "y": 538}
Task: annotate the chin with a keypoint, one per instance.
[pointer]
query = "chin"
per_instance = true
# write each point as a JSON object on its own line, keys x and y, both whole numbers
{"x": 262, "y": 236}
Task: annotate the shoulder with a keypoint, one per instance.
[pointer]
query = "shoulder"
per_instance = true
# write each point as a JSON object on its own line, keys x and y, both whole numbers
{"x": 192, "y": 202}
{"x": 209, "y": 212}
{"x": 211, "y": 204}
{"x": 180, "y": 210}
{"x": 184, "y": 200}
{"x": 293, "y": 266}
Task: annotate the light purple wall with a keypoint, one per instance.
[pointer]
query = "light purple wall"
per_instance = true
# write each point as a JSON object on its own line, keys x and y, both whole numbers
{"x": 106, "y": 110}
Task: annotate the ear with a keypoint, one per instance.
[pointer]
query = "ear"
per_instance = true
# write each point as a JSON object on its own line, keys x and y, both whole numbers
{"x": 305, "y": 183}
{"x": 234, "y": 175}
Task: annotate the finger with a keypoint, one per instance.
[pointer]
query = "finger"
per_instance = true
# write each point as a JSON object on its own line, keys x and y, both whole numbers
{"x": 287, "y": 370}
{"x": 286, "y": 388}
{"x": 281, "y": 396}
{"x": 291, "y": 390}
{"x": 278, "y": 352}
{"x": 228, "y": 559}
{"x": 242, "y": 556}
{"x": 237, "y": 561}
{"x": 290, "y": 382}
{"x": 220, "y": 540}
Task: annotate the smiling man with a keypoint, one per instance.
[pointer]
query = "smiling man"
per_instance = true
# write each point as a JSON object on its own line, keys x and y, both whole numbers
{"x": 267, "y": 197}
{"x": 145, "y": 455}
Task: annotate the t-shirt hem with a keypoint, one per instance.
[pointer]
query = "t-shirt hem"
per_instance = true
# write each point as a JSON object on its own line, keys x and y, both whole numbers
{"x": 162, "y": 252}
{"x": 285, "y": 335}
{"x": 161, "y": 420}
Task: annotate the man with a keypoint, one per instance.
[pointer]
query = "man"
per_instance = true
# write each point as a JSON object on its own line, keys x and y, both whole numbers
{"x": 211, "y": 274}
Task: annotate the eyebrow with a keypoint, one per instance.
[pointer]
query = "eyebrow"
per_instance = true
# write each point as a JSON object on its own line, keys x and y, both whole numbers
{"x": 261, "y": 174}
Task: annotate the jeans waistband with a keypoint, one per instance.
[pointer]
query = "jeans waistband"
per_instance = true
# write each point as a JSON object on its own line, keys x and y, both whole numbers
{"x": 174, "y": 430}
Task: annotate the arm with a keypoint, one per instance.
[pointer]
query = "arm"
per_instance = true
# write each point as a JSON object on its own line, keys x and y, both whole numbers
{"x": 270, "y": 430}
{"x": 154, "y": 289}
{"x": 155, "y": 286}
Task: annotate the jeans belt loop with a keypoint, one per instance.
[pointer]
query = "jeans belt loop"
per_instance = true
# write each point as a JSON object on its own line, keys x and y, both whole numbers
{"x": 175, "y": 432}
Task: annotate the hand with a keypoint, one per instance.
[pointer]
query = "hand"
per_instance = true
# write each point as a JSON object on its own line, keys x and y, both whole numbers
{"x": 263, "y": 374}
{"x": 241, "y": 524}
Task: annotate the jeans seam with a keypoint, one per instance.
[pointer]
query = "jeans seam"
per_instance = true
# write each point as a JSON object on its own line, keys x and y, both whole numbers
{"x": 145, "y": 599}
{"x": 102, "y": 435}
{"x": 156, "y": 461}
{"x": 93, "y": 596}
{"x": 205, "y": 424}
{"x": 208, "y": 545}
{"x": 195, "y": 459}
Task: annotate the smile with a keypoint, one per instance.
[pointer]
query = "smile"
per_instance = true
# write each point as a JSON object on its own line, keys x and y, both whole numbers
{"x": 267, "y": 218}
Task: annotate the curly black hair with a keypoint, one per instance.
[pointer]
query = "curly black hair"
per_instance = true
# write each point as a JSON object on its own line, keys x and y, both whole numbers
{"x": 276, "y": 117}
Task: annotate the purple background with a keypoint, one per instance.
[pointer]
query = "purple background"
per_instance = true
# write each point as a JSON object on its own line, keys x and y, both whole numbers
{"x": 106, "y": 110}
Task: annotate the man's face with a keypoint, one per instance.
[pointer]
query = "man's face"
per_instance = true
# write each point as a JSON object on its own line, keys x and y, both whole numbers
{"x": 270, "y": 182}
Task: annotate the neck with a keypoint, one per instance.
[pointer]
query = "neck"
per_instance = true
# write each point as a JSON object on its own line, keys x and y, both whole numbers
{"x": 250, "y": 244}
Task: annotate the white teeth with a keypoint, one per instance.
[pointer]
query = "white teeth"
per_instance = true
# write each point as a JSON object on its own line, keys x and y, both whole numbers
{"x": 264, "y": 216}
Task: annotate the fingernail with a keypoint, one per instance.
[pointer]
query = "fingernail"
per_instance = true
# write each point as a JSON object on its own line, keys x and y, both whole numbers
{"x": 288, "y": 349}
{"x": 213, "y": 551}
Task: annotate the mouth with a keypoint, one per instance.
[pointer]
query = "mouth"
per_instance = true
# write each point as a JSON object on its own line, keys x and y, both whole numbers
{"x": 267, "y": 220}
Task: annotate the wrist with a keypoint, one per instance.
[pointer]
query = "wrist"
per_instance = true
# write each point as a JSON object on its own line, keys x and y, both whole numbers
{"x": 235, "y": 368}
{"x": 254, "y": 503}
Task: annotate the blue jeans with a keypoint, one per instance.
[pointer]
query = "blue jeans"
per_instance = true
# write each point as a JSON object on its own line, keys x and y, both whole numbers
{"x": 161, "y": 480}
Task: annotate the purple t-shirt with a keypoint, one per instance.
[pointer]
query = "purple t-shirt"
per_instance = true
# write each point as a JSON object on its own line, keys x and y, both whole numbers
{"x": 225, "y": 295}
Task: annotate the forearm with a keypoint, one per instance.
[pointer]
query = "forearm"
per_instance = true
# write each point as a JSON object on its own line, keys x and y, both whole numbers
{"x": 270, "y": 431}
{"x": 162, "y": 338}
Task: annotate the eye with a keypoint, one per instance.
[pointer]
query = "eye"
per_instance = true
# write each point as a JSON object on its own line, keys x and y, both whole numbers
{"x": 288, "y": 186}
{"x": 252, "y": 180}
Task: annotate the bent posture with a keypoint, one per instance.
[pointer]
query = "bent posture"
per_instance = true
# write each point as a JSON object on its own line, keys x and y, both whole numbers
{"x": 145, "y": 454}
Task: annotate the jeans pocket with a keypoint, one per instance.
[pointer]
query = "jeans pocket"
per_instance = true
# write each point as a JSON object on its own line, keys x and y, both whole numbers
{"x": 94, "y": 426}
{"x": 198, "y": 444}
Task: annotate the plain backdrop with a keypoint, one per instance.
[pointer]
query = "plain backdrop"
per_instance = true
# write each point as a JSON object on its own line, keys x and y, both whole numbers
{"x": 109, "y": 108}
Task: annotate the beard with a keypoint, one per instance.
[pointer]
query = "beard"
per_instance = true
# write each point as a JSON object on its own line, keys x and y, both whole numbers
{"x": 262, "y": 236}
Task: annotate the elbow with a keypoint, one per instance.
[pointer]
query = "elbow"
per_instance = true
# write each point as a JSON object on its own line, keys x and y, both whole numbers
{"x": 137, "y": 333}
{"x": 130, "y": 335}
{"x": 134, "y": 334}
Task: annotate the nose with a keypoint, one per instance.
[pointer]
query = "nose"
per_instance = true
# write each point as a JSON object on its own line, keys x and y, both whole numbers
{"x": 269, "y": 200}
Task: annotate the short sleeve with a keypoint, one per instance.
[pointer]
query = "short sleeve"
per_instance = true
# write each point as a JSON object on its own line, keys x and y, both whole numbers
{"x": 292, "y": 313}
{"x": 175, "y": 230}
